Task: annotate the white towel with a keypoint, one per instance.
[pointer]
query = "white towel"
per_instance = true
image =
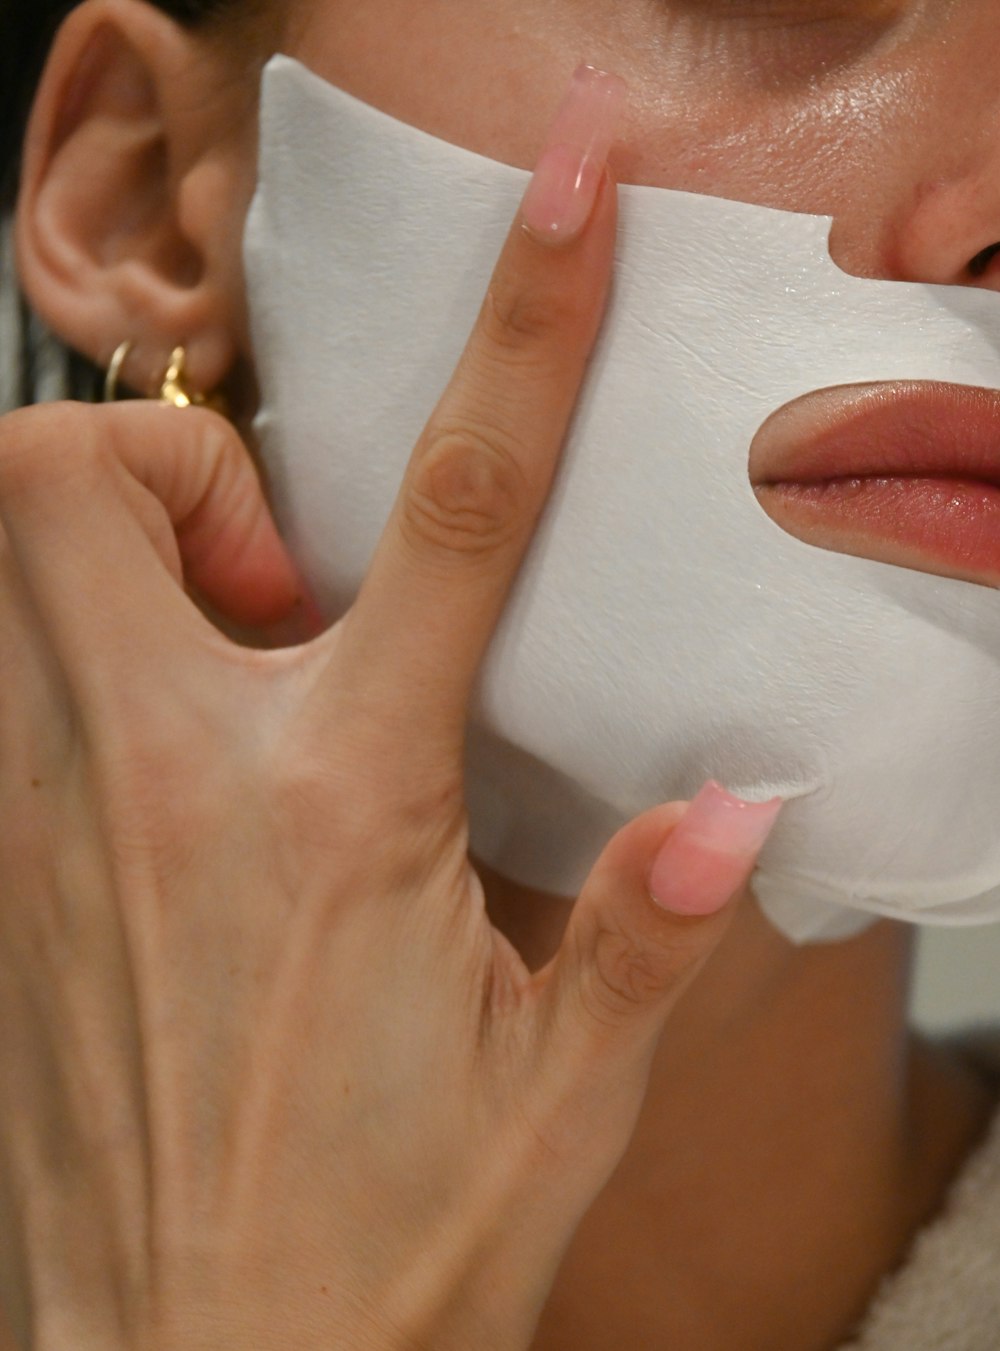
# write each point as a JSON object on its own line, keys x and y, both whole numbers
{"x": 947, "y": 1295}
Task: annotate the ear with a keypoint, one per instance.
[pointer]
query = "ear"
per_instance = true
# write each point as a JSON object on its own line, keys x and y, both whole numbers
{"x": 139, "y": 165}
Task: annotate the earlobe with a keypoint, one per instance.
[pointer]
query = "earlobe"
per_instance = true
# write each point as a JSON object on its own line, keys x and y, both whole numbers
{"x": 112, "y": 240}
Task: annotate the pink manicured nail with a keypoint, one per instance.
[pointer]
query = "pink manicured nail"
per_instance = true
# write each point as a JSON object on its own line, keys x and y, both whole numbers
{"x": 711, "y": 851}
{"x": 562, "y": 193}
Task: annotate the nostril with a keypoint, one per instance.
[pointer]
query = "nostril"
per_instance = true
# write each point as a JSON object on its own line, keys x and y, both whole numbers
{"x": 982, "y": 260}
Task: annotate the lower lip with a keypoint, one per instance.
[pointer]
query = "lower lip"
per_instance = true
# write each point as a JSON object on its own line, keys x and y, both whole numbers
{"x": 951, "y": 524}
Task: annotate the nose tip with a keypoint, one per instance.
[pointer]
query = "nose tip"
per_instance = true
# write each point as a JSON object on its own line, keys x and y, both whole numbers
{"x": 945, "y": 233}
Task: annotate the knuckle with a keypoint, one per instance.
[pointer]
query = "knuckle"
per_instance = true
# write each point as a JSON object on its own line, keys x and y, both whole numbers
{"x": 324, "y": 792}
{"x": 624, "y": 973}
{"x": 318, "y": 805}
{"x": 467, "y": 494}
{"x": 346, "y": 804}
{"x": 516, "y": 319}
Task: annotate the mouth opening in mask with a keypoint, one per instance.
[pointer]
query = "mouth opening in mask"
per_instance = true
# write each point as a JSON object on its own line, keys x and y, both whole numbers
{"x": 903, "y": 472}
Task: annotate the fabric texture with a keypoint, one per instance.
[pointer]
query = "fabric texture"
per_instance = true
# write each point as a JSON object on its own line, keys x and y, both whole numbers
{"x": 946, "y": 1297}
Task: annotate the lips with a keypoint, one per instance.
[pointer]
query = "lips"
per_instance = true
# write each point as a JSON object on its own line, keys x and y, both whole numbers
{"x": 905, "y": 473}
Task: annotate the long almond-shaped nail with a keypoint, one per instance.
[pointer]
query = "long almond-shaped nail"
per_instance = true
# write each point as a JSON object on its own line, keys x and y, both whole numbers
{"x": 562, "y": 193}
{"x": 711, "y": 851}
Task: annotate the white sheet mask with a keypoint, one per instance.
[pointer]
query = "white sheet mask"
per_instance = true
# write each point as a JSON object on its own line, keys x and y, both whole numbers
{"x": 663, "y": 630}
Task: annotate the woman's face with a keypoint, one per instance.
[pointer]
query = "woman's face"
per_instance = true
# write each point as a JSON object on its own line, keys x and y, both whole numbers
{"x": 884, "y": 114}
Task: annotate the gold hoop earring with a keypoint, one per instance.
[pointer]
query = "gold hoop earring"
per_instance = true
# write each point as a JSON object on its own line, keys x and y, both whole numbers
{"x": 174, "y": 390}
{"x": 115, "y": 365}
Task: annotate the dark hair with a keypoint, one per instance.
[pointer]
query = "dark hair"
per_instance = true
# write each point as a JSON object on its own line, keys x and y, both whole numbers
{"x": 27, "y": 29}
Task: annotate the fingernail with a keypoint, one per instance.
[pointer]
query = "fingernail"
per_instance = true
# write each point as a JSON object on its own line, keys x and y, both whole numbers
{"x": 711, "y": 851}
{"x": 562, "y": 193}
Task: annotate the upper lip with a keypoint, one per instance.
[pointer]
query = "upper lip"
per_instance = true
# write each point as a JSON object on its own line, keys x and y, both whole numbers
{"x": 916, "y": 429}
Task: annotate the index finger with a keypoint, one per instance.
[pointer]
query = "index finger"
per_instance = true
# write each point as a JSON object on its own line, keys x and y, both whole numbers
{"x": 478, "y": 477}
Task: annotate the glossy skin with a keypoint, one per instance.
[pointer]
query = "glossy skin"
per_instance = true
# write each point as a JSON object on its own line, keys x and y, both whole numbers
{"x": 884, "y": 115}
{"x": 859, "y": 109}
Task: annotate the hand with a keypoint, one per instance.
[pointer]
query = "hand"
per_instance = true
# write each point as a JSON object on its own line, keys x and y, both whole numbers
{"x": 269, "y": 1075}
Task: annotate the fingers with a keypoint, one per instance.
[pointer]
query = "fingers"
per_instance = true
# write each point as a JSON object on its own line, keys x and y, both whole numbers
{"x": 627, "y": 957}
{"x": 106, "y": 508}
{"x": 479, "y": 475}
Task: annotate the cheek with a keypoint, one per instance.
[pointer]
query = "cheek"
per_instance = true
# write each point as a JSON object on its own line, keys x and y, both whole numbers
{"x": 472, "y": 74}
{"x": 856, "y": 150}
{"x": 773, "y": 124}
{"x": 489, "y": 77}
{"x": 815, "y": 153}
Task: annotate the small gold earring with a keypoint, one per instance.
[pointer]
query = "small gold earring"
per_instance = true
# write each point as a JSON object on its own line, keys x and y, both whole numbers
{"x": 175, "y": 392}
{"x": 114, "y": 371}
{"x": 173, "y": 389}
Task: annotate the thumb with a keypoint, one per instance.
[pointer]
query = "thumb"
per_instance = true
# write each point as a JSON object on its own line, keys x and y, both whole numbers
{"x": 650, "y": 914}
{"x": 196, "y": 464}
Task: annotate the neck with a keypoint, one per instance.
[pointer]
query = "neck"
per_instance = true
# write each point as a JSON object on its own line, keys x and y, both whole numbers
{"x": 794, "y": 1137}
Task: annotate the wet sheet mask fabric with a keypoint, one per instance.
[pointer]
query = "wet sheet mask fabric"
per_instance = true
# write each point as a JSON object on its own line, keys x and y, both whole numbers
{"x": 663, "y": 630}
